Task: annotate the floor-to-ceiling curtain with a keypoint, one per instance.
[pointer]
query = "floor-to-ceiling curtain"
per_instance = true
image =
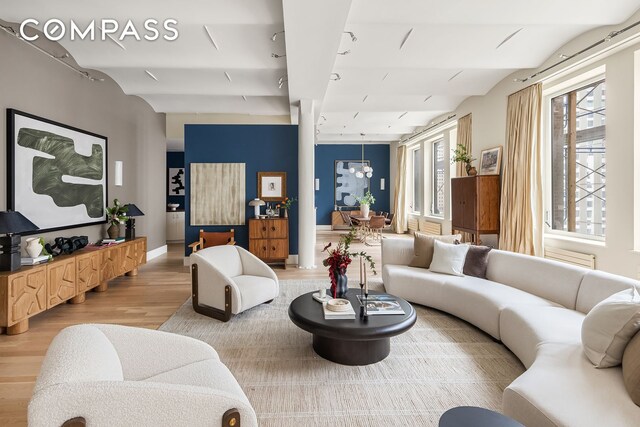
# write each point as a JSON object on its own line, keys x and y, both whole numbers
{"x": 400, "y": 200}
{"x": 521, "y": 201}
{"x": 464, "y": 139}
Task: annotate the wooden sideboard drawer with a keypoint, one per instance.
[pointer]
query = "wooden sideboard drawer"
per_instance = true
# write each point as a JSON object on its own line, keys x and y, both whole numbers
{"x": 26, "y": 295}
{"x": 269, "y": 239}
{"x": 61, "y": 281}
{"x": 88, "y": 271}
{"x": 260, "y": 248}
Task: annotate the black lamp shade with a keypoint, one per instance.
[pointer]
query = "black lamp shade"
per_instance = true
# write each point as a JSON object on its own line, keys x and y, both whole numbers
{"x": 12, "y": 222}
{"x": 132, "y": 210}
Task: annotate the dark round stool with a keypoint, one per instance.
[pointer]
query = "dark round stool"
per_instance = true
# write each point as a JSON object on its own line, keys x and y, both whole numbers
{"x": 472, "y": 416}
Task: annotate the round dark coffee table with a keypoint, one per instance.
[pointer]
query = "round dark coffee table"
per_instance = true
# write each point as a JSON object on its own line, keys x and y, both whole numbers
{"x": 355, "y": 341}
{"x": 472, "y": 416}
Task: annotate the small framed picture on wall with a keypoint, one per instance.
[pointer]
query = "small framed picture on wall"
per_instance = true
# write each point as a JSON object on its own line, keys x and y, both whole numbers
{"x": 490, "y": 161}
{"x": 272, "y": 186}
{"x": 176, "y": 181}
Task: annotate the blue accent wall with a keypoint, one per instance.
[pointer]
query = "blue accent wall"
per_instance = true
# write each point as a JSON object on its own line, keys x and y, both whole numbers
{"x": 263, "y": 148}
{"x": 175, "y": 159}
{"x": 327, "y": 154}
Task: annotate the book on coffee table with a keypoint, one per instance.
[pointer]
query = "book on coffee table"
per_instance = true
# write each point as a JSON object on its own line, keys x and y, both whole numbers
{"x": 382, "y": 304}
{"x": 339, "y": 315}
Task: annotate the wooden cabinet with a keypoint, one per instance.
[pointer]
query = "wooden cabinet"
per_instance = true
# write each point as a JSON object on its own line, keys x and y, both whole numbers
{"x": 475, "y": 205}
{"x": 175, "y": 226}
{"x": 87, "y": 271}
{"x": 32, "y": 290}
{"x": 61, "y": 281}
{"x": 269, "y": 239}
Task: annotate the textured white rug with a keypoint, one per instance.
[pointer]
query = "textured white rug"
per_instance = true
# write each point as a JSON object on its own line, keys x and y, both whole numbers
{"x": 440, "y": 363}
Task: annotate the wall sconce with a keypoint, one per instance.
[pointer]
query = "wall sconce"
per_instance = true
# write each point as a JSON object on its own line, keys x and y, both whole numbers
{"x": 317, "y": 184}
{"x": 381, "y": 183}
{"x": 118, "y": 173}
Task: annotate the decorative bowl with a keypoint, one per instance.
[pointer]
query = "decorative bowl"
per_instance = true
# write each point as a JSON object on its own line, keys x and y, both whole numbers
{"x": 173, "y": 206}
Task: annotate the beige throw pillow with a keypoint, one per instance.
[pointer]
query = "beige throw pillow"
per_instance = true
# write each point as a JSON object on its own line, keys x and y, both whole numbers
{"x": 631, "y": 368}
{"x": 423, "y": 248}
{"x": 609, "y": 326}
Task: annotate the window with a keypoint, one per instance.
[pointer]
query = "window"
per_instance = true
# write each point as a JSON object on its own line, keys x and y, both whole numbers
{"x": 415, "y": 204}
{"x": 438, "y": 178}
{"x": 578, "y": 161}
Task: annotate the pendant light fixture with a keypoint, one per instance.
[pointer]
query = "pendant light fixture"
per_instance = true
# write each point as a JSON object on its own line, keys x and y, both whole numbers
{"x": 365, "y": 170}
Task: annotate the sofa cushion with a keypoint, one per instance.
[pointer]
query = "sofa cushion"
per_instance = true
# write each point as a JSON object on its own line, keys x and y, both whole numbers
{"x": 255, "y": 291}
{"x": 598, "y": 285}
{"x": 631, "y": 368}
{"x": 448, "y": 258}
{"x": 423, "y": 248}
{"x": 552, "y": 280}
{"x": 475, "y": 264}
{"x": 609, "y": 326}
{"x": 414, "y": 284}
{"x": 523, "y": 328}
{"x": 480, "y": 301}
{"x": 562, "y": 388}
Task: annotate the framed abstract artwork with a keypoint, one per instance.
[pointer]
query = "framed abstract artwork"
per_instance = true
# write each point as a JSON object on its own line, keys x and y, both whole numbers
{"x": 272, "y": 186}
{"x": 56, "y": 174}
{"x": 490, "y": 161}
{"x": 217, "y": 194}
{"x": 176, "y": 181}
{"x": 347, "y": 185}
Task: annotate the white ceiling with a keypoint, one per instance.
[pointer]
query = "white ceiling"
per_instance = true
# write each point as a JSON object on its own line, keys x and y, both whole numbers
{"x": 384, "y": 90}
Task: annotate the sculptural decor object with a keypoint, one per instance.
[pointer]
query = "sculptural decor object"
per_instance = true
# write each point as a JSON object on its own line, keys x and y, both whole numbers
{"x": 40, "y": 153}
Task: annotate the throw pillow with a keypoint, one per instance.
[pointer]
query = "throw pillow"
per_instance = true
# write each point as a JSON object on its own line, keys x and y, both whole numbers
{"x": 609, "y": 326}
{"x": 423, "y": 248}
{"x": 475, "y": 264}
{"x": 448, "y": 258}
{"x": 631, "y": 368}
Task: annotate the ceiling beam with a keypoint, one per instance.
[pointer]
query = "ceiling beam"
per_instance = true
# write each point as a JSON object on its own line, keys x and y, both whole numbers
{"x": 313, "y": 31}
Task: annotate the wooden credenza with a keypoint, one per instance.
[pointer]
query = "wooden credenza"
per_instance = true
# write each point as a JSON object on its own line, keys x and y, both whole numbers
{"x": 269, "y": 239}
{"x": 34, "y": 289}
{"x": 475, "y": 205}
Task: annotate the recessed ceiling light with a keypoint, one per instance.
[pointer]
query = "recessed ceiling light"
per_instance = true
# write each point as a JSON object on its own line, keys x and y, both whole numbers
{"x": 211, "y": 37}
{"x": 402, "y": 115}
{"x": 427, "y": 98}
{"x": 275, "y": 55}
{"x": 346, "y": 52}
{"x": 456, "y": 75}
{"x": 385, "y": 76}
{"x": 365, "y": 98}
{"x": 150, "y": 74}
{"x": 227, "y": 76}
{"x": 244, "y": 97}
{"x": 353, "y": 36}
{"x": 323, "y": 118}
{"x": 275, "y": 35}
{"x": 562, "y": 56}
{"x": 508, "y": 38}
{"x": 356, "y": 114}
{"x": 335, "y": 77}
{"x": 405, "y": 38}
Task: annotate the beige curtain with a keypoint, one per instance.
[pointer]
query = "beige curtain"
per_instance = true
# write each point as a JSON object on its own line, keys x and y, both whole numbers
{"x": 521, "y": 202}
{"x": 464, "y": 138}
{"x": 400, "y": 200}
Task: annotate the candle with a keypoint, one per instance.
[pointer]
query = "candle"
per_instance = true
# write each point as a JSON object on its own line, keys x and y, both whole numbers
{"x": 366, "y": 288}
{"x": 361, "y": 271}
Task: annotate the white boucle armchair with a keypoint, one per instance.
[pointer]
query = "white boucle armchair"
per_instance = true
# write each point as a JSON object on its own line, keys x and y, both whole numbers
{"x": 228, "y": 280}
{"x": 110, "y": 375}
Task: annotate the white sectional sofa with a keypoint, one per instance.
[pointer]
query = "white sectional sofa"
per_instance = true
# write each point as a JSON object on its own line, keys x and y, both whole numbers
{"x": 536, "y": 308}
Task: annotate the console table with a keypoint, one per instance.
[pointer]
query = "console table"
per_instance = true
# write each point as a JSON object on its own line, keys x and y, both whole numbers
{"x": 33, "y": 289}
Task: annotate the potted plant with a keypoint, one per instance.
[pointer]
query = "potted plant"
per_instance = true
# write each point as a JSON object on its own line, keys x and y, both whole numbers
{"x": 365, "y": 202}
{"x": 285, "y": 205}
{"x": 339, "y": 259}
{"x": 116, "y": 215}
{"x": 460, "y": 154}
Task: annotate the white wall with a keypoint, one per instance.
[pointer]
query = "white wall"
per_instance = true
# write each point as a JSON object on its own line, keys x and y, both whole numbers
{"x": 616, "y": 254}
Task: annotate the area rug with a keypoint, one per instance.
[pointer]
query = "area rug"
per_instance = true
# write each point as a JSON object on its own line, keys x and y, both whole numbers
{"x": 440, "y": 363}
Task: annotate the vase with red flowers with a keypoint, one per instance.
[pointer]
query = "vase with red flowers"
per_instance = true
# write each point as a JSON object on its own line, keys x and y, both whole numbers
{"x": 338, "y": 261}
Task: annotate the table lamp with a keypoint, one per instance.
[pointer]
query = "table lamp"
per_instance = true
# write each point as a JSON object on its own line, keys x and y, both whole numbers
{"x": 256, "y": 203}
{"x": 132, "y": 211}
{"x": 12, "y": 224}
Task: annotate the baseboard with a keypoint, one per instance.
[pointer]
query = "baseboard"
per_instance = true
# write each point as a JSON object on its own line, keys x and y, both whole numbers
{"x": 155, "y": 253}
{"x": 292, "y": 260}
{"x": 323, "y": 227}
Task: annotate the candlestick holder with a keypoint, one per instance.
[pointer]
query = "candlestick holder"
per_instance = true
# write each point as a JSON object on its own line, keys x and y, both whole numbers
{"x": 362, "y": 303}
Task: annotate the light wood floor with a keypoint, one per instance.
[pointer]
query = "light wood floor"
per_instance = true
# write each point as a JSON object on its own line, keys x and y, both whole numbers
{"x": 146, "y": 300}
